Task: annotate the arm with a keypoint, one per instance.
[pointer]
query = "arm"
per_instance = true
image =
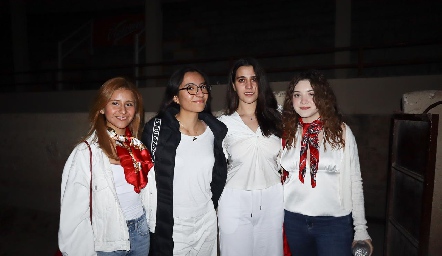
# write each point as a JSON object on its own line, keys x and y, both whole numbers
{"x": 357, "y": 193}
{"x": 75, "y": 235}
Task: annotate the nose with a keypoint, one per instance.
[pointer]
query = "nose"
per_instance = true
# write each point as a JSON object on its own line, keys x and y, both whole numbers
{"x": 249, "y": 84}
{"x": 304, "y": 100}
{"x": 199, "y": 92}
{"x": 123, "y": 109}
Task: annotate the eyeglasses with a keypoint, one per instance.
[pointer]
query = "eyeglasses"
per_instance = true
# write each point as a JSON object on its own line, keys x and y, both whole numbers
{"x": 192, "y": 89}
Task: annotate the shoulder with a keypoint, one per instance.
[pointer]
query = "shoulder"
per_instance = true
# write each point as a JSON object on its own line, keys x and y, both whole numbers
{"x": 346, "y": 130}
{"x": 347, "y": 134}
{"x": 224, "y": 118}
{"x": 229, "y": 119}
{"x": 215, "y": 124}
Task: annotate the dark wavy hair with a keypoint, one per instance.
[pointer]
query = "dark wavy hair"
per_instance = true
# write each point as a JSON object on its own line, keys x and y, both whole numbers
{"x": 267, "y": 114}
{"x": 325, "y": 101}
{"x": 172, "y": 89}
{"x": 98, "y": 121}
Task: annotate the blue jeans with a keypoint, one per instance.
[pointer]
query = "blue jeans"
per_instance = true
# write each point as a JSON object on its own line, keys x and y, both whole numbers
{"x": 138, "y": 236}
{"x": 318, "y": 236}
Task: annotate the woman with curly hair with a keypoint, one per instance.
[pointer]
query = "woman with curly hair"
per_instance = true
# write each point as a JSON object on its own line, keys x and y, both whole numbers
{"x": 323, "y": 195}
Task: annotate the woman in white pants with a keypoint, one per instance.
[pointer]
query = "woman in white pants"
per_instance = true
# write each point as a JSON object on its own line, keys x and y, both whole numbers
{"x": 250, "y": 213}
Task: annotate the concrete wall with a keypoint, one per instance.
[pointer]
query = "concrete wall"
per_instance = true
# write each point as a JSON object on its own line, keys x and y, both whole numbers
{"x": 416, "y": 103}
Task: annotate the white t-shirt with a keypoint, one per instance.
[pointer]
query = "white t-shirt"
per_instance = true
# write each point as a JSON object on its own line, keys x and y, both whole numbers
{"x": 192, "y": 174}
{"x": 130, "y": 201}
{"x": 252, "y": 157}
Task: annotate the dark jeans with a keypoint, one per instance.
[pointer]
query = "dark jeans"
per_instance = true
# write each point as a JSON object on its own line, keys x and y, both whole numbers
{"x": 318, "y": 236}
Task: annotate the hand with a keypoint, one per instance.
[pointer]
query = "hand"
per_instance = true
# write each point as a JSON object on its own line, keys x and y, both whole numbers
{"x": 368, "y": 241}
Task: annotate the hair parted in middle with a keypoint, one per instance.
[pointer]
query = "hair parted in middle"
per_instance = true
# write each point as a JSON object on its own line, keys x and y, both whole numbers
{"x": 326, "y": 103}
{"x": 98, "y": 121}
{"x": 267, "y": 114}
{"x": 172, "y": 89}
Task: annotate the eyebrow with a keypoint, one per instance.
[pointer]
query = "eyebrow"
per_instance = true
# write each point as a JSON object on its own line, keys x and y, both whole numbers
{"x": 121, "y": 100}
{"x": 245, "y": 76}
{"x": 307, "y": 91}
{"x": 188, "y": 84}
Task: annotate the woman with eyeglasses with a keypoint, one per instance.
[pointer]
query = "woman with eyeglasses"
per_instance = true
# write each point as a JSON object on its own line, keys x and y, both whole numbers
{"x": 190, "y": 166}
{"x": 251, "y": 212}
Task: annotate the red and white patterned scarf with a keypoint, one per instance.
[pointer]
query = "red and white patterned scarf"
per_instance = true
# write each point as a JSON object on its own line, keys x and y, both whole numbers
{"x": 134, "y": 158}
{"x": 309, "y": 140}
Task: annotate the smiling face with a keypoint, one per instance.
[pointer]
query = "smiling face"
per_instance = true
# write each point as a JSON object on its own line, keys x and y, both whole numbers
{"x": 303, "y": 102}
{"x": 191, "y": 103}
{"x": 120, "y": 110}
{"x": 246, "y": 85}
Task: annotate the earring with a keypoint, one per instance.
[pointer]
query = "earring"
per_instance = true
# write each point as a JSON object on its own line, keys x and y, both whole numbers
{"x": 101, "y": 111}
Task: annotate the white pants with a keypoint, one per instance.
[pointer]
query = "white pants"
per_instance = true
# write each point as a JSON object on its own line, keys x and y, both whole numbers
{"x": 194, "y": 236}
{"x": 250, "y": 222}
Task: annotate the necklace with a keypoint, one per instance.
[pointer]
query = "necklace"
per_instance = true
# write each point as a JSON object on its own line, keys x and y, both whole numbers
{"x": 188, "y": 131}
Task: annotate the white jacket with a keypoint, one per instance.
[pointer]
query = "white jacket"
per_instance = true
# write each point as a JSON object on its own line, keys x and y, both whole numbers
{"x": 108, "y": 232}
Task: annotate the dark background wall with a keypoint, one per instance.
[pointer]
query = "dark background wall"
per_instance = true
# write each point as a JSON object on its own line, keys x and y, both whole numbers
{"x": 42, "y": 126}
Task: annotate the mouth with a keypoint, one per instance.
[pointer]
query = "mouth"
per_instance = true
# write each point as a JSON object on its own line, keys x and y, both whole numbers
{"x": 121, "y": 118}
{"x": 249, "y": 93}
{"x": 304, "y": 108}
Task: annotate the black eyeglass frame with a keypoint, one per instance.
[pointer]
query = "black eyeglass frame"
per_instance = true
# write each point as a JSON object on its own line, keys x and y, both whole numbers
{"x": 198, "y": 87}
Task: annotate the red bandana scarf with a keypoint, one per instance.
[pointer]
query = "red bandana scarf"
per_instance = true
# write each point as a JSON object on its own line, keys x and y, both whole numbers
{"x": 309, "y": 140}
{"x": 134, "y": 158}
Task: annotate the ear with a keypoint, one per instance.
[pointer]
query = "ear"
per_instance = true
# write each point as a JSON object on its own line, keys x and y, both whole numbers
{"x": 233, "y": 86}
{"x": 102, "y": 111}
{"x": 176, "y": 100}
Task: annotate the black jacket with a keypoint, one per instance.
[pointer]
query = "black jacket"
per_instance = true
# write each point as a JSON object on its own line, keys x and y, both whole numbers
{"x": 169, "y": 139}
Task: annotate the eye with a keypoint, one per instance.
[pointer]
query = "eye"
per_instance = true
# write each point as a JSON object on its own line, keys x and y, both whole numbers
{"x": 241, "y": 80}
{"x": 191, "y": 87}
{"x": 115, "y": 103}
{"x": 296, "y": 95}
{"x": 254, "y": 79}
{"x": 130, "y": 104}
{"x": 312, "y": 94}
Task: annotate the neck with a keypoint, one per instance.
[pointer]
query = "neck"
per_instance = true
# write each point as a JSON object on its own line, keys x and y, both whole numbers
{"x": 187, "y": 119}
{"x": 118, "y": 131}
{"x": 246, "y": 109}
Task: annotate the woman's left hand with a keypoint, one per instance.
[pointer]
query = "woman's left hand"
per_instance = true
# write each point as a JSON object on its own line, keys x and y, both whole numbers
{"x": 368, "y": 241}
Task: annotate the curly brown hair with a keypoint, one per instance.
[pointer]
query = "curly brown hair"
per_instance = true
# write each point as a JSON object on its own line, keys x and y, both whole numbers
{"x": 98, "y": 120}
{"x": 325, "y": 101}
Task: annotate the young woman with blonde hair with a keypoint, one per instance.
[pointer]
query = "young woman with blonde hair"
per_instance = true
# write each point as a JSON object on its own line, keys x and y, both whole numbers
{"x": 114, "y": 185}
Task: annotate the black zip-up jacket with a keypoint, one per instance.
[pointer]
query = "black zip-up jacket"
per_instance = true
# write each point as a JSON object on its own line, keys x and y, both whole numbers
{"x": 169, "y": 139}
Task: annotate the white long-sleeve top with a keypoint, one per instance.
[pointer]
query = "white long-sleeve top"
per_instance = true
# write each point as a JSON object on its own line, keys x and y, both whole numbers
{"x": 252, "y": 157}
{"x": 108, "y": 232}
{"x": 338, "y": 190}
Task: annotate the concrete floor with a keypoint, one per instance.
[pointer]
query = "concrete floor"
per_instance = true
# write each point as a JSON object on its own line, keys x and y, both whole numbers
{"x": 35, "y": 233}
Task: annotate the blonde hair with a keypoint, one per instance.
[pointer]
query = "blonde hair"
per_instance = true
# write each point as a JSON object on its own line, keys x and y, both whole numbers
{"x": 98, "y": 120}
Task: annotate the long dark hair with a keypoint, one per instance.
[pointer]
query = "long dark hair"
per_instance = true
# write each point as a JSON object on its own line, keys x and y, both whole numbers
{"x": 172, "y": 89}
{"x": 267, "y": 114}
{"x": 325, "y": 101}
